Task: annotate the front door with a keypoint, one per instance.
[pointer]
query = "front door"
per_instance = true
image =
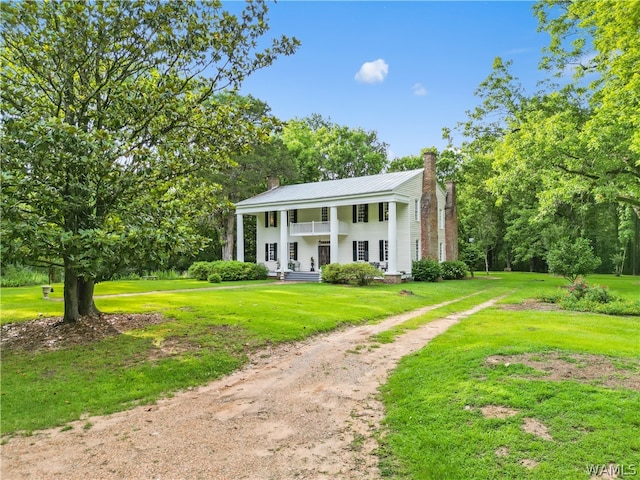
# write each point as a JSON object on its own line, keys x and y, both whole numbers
{"x": 324, "y": 255}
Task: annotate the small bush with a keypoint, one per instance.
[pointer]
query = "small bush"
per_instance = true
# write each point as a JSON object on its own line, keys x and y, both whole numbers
{"x": 351, "y": 273}
{"x": 200, "y": 270}
{"x": 454, "y": 270}
{"x": 214, "y": 278}
{"x": 426, "y": 270}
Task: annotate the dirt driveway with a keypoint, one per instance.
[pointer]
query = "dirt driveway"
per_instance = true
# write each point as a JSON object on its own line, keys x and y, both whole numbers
{"x": 301, "y": 411}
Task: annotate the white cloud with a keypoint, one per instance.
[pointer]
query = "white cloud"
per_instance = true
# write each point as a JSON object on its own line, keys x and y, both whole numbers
{"x": 419, "y": 90}
{"x": 372, "y": 72}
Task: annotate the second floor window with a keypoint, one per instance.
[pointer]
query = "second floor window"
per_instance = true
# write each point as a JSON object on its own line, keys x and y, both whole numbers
{"x": 324, "y": 214}
{"x": 360, "y": 213}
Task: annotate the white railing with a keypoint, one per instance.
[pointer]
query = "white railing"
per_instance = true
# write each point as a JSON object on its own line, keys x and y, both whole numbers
{"x": 315, "y": 228}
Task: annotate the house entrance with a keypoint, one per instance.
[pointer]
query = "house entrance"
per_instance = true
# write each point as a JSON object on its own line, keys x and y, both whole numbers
{"x": 324, "y": 255}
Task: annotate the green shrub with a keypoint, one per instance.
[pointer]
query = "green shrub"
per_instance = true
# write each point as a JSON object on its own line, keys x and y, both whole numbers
{"x": 350, "y": 273}
{"x": 426, "y": 270}
{"x": 214, "y": 278}
{"x": 200, "y": 270}
{"x": 233, "y": 270}
{"x": 454, "y": 270}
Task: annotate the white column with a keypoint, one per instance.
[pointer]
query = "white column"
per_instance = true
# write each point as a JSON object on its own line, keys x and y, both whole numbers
{"x": 284, "y": 246}
{"x": 393, "y": 240}
{"x": 334, "y": 225}
{"x": 239, "y": 237}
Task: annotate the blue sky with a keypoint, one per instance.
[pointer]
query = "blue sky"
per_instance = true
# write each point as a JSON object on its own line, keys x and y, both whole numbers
{"x": 402, "y": 69}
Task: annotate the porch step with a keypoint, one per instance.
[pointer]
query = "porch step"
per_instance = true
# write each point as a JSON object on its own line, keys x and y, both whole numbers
{"x": 303, "y": 277}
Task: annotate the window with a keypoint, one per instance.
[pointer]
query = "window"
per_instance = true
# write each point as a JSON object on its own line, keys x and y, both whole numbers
{"x": 324, "y": 214}
{"x": 270, "y": 219}
{"x": 417, "y": 249}
{"x": 270, "y": 252}
{"x": 360, "y": 251}
{"x": 292, "y": 217}
{"x": 383, "y": 211}
{"x": 361, "y": 213}
{"x": 416, "y": 210}
{"x": 384, "y": 250}
{"x": 441, "y": 246}
{"x": 293, "y": 251}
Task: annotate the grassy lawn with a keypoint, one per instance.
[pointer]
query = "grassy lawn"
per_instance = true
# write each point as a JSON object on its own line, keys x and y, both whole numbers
{"x": 436, "y": 428}
{"x": 439, "y": 401}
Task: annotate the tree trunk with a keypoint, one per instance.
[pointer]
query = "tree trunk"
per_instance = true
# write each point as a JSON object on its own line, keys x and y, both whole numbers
{"x": 86, "y": 305}
{"x": 229, "y": 237}
{"x": 71, "y": 311}
{"x": 486, "y": 262}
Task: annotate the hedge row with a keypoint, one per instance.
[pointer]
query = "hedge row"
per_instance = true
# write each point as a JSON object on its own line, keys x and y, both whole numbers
{"x": 227, "y": 271}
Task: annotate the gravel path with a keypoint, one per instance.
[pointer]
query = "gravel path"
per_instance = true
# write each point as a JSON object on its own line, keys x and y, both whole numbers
{"x": 301, "y": 411}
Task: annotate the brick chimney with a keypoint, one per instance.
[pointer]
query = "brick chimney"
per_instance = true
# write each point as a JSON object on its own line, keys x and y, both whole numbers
{"x": 451, "y": 223}
{"x": 272, "y": 182}
{"x": 429, "y": 209}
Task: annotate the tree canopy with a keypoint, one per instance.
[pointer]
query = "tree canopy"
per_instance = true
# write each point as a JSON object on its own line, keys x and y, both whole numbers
{"x": 108, "y": 108}
{"x": 562, "y": 161}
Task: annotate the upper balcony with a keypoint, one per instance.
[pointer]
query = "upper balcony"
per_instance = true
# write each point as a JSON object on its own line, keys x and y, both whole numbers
{"x": 316, "y": 228}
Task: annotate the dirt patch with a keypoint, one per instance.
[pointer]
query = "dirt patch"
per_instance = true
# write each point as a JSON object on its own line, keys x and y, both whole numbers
{"x": 502, "y": 452}
{"x": 531, "y": 305}
{"x": 528, "y": 463}
{"x": 498, "y": 411}
{"x": 51, "y": 334}
{"x": 557, "y": 366}
{"x": 537, "y": 428}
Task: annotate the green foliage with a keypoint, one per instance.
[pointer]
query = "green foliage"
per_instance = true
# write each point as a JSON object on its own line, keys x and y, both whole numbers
{"x": 200, "y": 270}
{"x": 426, "y": 270}
{"x": 214, "y": 278}
{"x": 229, "y": 271}
{"x": 571, "y": 258}
{"x": 102, "y": 145}
{"x": 361, "y": 274}
{"x": 323, "y": 150}
{"x": 232, "y": 270}
{"x": 471, "y": 256}
{"x": 453, "y": 270}
{"x": 19, "y": 276}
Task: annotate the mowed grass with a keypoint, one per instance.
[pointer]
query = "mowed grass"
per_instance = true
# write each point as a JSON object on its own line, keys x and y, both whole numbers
{"x": 435, "y": 428}
{"x": 208, "y": 333}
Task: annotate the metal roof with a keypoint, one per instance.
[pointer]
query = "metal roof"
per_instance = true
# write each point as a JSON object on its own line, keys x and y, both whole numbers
{"x": 346, "y": 187}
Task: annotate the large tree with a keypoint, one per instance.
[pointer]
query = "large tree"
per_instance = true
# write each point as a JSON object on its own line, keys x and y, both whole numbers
{"x": 324, "y": 150}
{"x": 107, "y": 108}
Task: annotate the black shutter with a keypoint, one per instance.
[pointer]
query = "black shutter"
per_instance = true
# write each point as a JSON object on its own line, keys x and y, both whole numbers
{"x": 366, "y": 250}
{"x": 366, "y": 212}
{"x": 266, "y": 219}
{"x": 275, "y": 247}
{"x": 266, "y": 252}
{"x": 355, "y": 251}
{"x": 355, "y": 213}
{"x": 295, "y": 250}
{"x": 275, "y": 219}
{"x": 381, "y": 212}
{"x": 381, "y": 243}
{"x": 295, "y": 216}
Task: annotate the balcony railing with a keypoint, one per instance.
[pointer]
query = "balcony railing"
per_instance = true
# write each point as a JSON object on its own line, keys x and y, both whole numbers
{"x": 316, "y": 228}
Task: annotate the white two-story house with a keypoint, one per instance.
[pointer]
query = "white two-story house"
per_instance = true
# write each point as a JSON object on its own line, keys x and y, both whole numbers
{"x": 389, "y": 220}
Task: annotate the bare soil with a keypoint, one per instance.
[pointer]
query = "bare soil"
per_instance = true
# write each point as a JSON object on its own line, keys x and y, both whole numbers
{"x": 595, "y": 369}
{"x": 297, "y": 411}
